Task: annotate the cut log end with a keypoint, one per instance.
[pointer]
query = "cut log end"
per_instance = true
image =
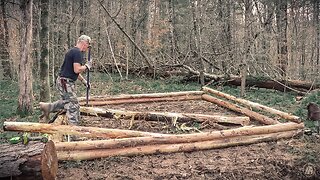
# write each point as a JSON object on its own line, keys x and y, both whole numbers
{"x": 49, "y": 161}
{"x": 35, "y": 160}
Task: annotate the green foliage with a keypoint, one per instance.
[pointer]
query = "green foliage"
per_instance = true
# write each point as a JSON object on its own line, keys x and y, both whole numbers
{"x": 272, "y": 98}
{"x": 302, "y": 110}
{"x": 313, "y": 97}
{"x": 8, "y": 94}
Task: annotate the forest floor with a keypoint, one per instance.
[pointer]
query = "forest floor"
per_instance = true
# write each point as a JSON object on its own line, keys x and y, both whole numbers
{"x": 296, "y": 158}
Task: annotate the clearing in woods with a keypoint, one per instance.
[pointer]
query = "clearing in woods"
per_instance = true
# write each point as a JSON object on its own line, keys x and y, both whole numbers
{"x": 284, "y": 159}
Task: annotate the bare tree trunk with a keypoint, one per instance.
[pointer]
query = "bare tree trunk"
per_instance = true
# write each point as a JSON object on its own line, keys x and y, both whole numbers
{"x": 196, "y": 11}
{"x": 82, "y": 16}
{"x": 128, "y": 48}
{"x": 244, "y": 64}
{"x": 44, "y": 61}
{"x": 4, "y": 43}
{"x": 25, "y": 102}
{"x": 302, "y": 58}
{"x": 172, "y": 36}
{"x": 281, "y": 16}
{"x": 316, "y": 7}
{"x": 222, "y": 18}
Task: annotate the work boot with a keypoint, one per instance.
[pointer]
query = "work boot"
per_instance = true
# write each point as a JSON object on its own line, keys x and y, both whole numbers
{"x": 45, "y": 108}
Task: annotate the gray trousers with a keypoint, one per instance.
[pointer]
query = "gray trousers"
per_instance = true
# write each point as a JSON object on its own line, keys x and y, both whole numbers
{"x": 68, "y": 101}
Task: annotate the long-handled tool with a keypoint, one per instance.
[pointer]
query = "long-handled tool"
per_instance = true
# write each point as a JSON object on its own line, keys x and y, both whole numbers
{"x": 88, "y": 77}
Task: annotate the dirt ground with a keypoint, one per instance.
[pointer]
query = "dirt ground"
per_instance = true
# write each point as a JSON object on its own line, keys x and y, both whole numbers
{"x": 297, "y": 158}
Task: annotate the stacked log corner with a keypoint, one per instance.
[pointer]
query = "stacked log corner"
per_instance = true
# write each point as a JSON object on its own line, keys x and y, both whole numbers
{"x": 254, "y": 115}
{"x": 253, "y": 105}
{"x": 33, "y": 161}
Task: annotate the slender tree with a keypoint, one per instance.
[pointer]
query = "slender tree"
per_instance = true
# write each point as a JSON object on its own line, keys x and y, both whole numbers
{"x": 25, "y": 101}
{"x": 281, "y": 16}
{"x": 316, "y": 17}
{"x": 44, "y": 59}
{"x": 4, "y": 43}
{"x": 247, "y": 42}
{"x": 196, "y": 6}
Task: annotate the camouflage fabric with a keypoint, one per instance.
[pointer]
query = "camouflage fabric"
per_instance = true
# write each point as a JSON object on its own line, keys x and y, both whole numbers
{"x": 69, "y": 101}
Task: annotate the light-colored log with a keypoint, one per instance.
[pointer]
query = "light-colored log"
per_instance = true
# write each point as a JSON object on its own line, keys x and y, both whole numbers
{"x": 74, "y": 130}
{"x": 61, "y": 120}
{"x": 167, "y": 116}
{"x": 139, "y": 96}
{"x": 180, "y": 138}
{"x": 254, "y": 115}
{"x": 141, "y": 100}
{"x": 33, "y": 161}
{"x": 171, "y": 148}
{"x": 251, "y": 104}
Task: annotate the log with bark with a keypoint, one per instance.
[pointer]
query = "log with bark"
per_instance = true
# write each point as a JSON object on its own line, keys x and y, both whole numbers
{"x": 300, "y": 87}
{"x": 143, "y": 98}
{"x": 167, "y": 116}
{"x": 178, "y": 138}
{"x": 254, "y": 115}
{"x": 35, "y": 160}
{"x": 74, "y": 130}
{"x": 170, "y": 148}
{"x": 251, "y": 105}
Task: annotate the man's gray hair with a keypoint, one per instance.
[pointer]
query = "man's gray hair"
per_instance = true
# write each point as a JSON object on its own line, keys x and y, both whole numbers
{"x": 84, "y": 38}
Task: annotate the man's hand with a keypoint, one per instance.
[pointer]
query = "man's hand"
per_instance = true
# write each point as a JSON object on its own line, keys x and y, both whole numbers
{"x": 88, "y": 65}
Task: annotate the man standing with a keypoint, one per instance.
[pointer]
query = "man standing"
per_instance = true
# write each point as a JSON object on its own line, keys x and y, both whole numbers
{"x": 71, "y": 70}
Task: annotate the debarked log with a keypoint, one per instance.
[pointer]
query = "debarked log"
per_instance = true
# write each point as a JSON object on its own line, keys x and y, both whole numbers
{"x": 141, "y": 96}
{"x": 171, "y": 148}
{"x": 141, "y": 100}
{"x": 167, "y": 116}
{"x": 254, "y": 115}
{"x": 74, "y": 130}
{"x": 33, "y": 161}
{"x": 178, "y": 138}
{"x": 251, "y": 104}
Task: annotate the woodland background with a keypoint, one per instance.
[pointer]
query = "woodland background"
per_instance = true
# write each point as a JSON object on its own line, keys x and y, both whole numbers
{"x": 273, "y": 38}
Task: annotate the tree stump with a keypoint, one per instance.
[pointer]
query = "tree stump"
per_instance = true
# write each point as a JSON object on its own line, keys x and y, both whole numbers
{"x": 36, "y": 160}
